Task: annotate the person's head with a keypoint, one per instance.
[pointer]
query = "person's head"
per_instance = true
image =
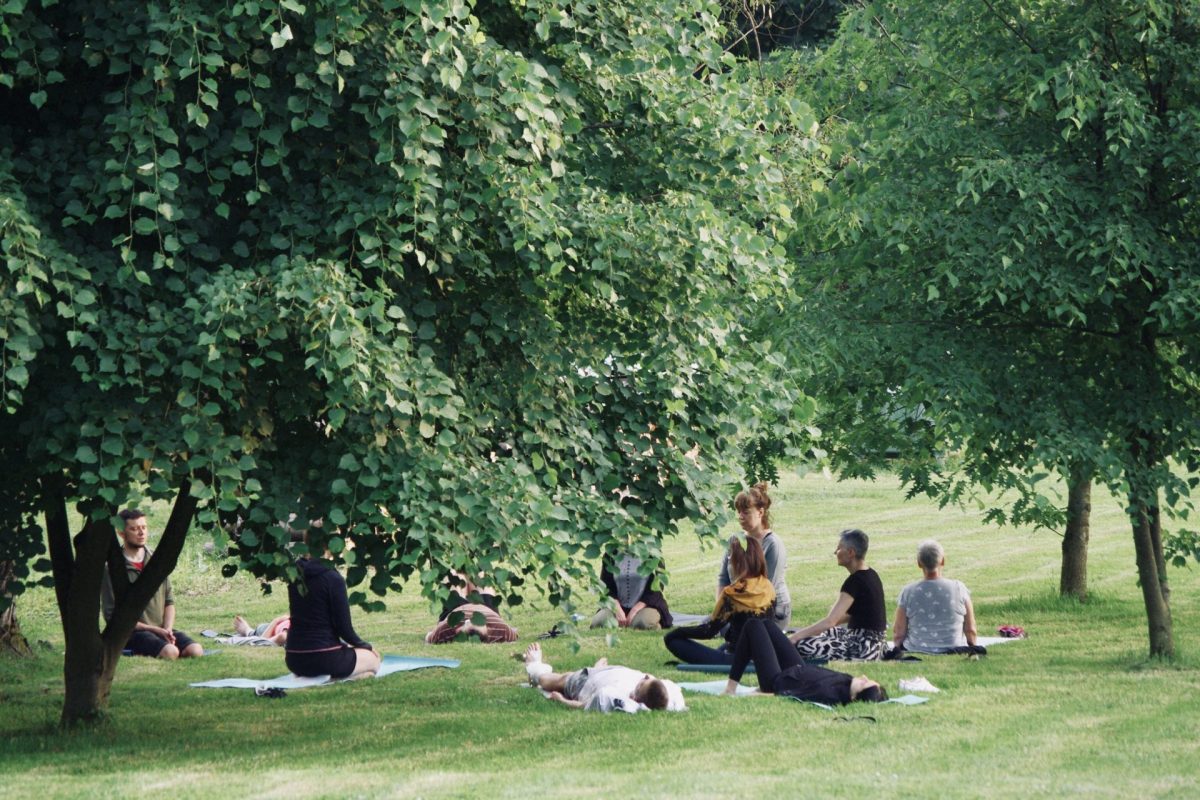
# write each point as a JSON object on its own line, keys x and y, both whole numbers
{"x": 652, "y": 693}
{"x": 865, "y": 690}
{"x": 753, "y": 508}
{"x": 746, "y": 560}
{"x": 134, "y": 528}
{"x": 930, "y": 556}
{"x": 852, "y": 547}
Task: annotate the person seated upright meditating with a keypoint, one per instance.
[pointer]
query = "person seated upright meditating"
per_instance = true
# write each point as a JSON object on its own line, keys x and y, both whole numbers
{"x": 749, "y": 596}
{"x": 602, "y": 687}
{"x": 471, "y": 611}
{"x": 781, "y": 670}
{"x": 154, "y": 634}
{"x": 934, "y": 615}
{"x": 754, "y": 515}
{"x": 636, "y": 604}
{"x": 855, "y": 627}
{"x": 322, "y": 640}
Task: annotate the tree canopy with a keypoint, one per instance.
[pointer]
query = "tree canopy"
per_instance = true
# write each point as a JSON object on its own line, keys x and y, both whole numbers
{"x": 1008, "y": 271}
{"x": 475, "y": 284}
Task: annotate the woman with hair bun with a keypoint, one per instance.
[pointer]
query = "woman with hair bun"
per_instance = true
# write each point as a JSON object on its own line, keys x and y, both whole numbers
{"x": 754, "y": 515}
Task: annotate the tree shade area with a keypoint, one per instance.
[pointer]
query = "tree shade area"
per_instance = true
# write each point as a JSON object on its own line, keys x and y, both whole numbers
{"x": 508, "y": 288}
{"x": 1006, "y": 272}
{"x": 473, "y": 284}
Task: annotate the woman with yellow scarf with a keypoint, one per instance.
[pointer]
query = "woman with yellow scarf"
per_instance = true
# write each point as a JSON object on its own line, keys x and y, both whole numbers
{"x": 749, "y": 596}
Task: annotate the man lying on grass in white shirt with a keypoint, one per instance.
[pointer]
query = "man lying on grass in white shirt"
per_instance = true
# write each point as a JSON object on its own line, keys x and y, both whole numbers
{"x": 601, "y": 687}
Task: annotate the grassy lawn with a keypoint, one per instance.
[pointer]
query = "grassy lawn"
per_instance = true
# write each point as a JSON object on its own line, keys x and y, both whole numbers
{"x": 1075, "y": 708}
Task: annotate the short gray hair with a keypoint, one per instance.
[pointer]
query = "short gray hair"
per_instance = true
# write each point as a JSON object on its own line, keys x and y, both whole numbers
{"x": 930, "y": 555}
{"x": 856, "y": 540}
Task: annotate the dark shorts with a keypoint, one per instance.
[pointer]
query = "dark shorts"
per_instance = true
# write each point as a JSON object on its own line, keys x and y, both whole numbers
{"x": 334, "y": 663}
{"x": 145, "y": 643}
{"x": 574, "y": 684}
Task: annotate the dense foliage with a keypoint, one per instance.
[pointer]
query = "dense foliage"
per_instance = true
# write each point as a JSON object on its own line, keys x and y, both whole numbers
{"x": 1007, "y": 272}
{"x": 474, "y": 283}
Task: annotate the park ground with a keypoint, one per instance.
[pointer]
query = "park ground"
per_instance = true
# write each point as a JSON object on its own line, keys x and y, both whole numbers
{"x": 1074, "y": 709}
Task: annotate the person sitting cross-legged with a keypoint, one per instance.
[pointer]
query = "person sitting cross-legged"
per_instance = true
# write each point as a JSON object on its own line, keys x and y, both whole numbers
{"x": 855, "y": 627}
{"x": 155, "y": 634}
{"x": 934, "y": 615}
{"x": 601, "y": 687}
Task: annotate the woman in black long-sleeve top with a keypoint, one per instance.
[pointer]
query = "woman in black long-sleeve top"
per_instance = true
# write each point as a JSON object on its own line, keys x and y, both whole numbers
{"x": 322, "y": 641}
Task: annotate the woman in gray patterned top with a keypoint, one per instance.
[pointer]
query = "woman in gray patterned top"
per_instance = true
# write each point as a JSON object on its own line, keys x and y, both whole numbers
{"x": 934, "y": 615}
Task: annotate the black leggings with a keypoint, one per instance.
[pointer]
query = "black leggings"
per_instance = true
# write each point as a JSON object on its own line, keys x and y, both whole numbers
{"x": 770, "y": 650}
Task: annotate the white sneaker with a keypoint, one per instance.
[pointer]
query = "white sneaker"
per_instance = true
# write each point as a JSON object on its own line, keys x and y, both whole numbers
{"x": 917, "y": 684}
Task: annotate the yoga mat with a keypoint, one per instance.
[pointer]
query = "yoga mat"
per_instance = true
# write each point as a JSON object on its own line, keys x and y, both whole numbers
{"x": 720, "y": 669}
{"x": 289, "y": 681}
{"x": 718, "y": 687}
{"x": 714, "y": 687}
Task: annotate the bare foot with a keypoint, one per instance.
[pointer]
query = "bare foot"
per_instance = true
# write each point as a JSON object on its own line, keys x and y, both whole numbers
{"x": 602, "y": 661}
{"x": 241, "y": 627}
{"x": 533, "y": 654}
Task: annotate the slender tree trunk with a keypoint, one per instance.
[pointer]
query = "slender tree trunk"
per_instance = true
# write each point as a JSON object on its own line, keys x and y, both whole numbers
{"x": 1151, "y": 566}
{"x": 12, "y": 641}
{"x": 1073, "y": 579}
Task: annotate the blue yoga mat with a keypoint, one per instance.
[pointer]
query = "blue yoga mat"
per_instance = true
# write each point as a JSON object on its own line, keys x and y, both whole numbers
{"x": 722, "y": 669}
{"x": 718, "y": 687}
{"x": 289, "y": 681}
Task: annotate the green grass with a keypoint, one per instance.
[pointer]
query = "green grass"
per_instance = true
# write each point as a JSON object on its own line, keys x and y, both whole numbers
{"x": 1075, "y": 708}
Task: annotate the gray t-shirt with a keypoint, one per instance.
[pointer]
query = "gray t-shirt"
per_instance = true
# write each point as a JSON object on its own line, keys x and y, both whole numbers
{"x": 934, "y": 611}
{"x": 776, "y": 558}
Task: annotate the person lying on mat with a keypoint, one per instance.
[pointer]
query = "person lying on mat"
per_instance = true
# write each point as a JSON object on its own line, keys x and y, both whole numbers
{"x": 855, "y": 627}
{"x": 934, "y": 615}
{"x": 276, "y": 630}
{"x": 322, "y": 640}
{"x": 751, "y": 595}
{"x": 602, "y": 687}
{"x": 471, "y": 611}
{"x": 782, "y": 671}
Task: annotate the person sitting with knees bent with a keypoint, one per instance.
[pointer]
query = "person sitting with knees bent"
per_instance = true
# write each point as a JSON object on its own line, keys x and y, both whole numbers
{"x": 602, "y": 687}
{"x": 934, "y": 615}
{"x": 155, "y": 634}
{"x": 322, "y": 641}
{"x": 855, "y": 627}
{"x": 750, "y": 595}
{"x": 636, "y": 604}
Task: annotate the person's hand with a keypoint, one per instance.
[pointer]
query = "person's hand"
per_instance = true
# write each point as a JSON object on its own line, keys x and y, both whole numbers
{"x": 557, "y": 696}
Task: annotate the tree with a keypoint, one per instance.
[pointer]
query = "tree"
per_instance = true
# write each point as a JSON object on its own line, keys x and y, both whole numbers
{"x": 1011, "y": 247}
{"x": 452, "y": 277}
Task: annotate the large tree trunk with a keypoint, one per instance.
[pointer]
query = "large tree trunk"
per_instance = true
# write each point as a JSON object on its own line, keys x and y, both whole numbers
{"x": 1073, "y": 579}
{"x": 91, "y": 655}
{"x": 12, "y": 641}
